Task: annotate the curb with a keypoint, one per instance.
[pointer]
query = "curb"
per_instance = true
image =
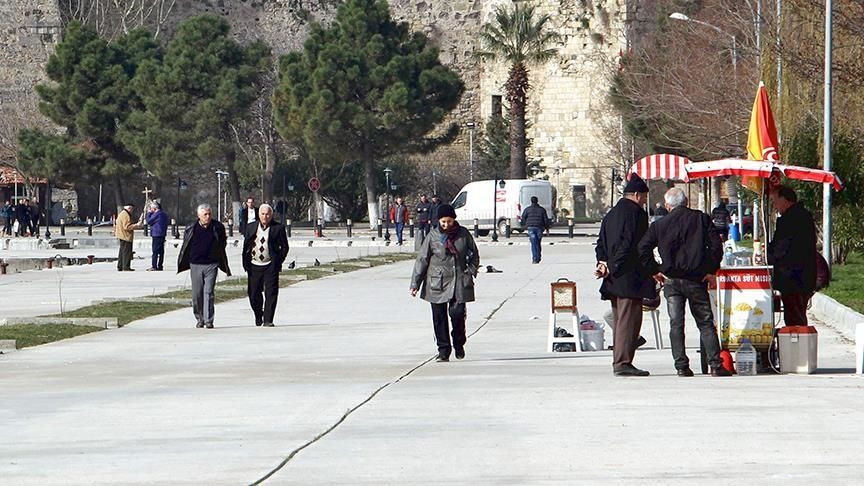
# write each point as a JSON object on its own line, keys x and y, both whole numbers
{"x": 836, "y": 315}
{"x": 103, "y": 322}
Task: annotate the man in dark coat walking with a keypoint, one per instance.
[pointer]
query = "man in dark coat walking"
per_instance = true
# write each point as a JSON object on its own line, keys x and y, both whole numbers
{"x": 433, "y": 210}
{"x": 691, "y": 250}
{"x": 22, "y": 214}
{"x": 625, "y": 281}
{"x": 248, "y": 214}
{"x": 265, "y": 248}
{"x": 536, "y": 221}
{"x": 792, "y": 251}
{"x": 203, "y": 254}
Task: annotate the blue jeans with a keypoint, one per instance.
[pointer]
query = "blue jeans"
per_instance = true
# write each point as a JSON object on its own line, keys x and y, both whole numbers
{"x": 535, "y": 235}
{"x": 158, "y": 252}
{"x": 399, "y": 228}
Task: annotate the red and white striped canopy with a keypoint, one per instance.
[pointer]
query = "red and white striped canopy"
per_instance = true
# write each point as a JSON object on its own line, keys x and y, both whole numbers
{"x": 661, "y": 166}
{"x": 760, "y": 168}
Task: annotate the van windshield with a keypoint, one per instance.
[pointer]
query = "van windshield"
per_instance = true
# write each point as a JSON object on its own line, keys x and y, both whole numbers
{"x": 460, "y": 200}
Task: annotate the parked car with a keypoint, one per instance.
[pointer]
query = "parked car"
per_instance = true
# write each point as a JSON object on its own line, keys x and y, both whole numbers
{"x": 474, "y": 201}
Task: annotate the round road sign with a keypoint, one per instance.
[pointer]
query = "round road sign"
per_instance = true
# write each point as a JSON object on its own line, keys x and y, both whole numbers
{"x": 314, "y": 184}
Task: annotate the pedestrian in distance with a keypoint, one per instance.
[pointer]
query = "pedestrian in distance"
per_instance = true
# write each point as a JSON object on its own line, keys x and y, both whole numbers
{"x": 399, "y": 216}
{"x": 536, "y": 221}
{"x": 660, "y": 212}
{"x": 8, "y": 213}
{"x": 265, "y": 247}
{"x": 22, "y": 215}
{"x": 444, "y": 273}
{"x": 792, "y": 252}
{"x": 35, "y": 218}
{"x": 691, "y": 250}
{"x": 433, "y": 210}
{"x": 721, "y": 218}
{"x": 248, "y": 214}
{"x": 124, "y": 230}
{"x": 158, "y": 222}
{"x": 203, "y": 254}
{"x": 625, "y": 281}
{"x": 423, "y": 213}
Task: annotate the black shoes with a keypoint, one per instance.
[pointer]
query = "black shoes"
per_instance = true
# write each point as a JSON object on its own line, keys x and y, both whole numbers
{"x": 720, "y": 372}
{"x": 442, "y": 359}
{"x": 685, "y": 372}
{"x": 641, "y": 341}
{"x": 209, "y": 326}
{"x": 268, "y": 324}
{"x": 199, "y": 325}
{"x": 630, "y": 370}
{"x": 460, "y": 352}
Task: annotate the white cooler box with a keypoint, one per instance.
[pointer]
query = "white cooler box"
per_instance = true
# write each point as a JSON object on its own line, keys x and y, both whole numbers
{"x": 798, "y": 349}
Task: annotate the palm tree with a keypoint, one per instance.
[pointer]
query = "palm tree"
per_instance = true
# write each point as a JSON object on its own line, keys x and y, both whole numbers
{"x": 519, "y": 39}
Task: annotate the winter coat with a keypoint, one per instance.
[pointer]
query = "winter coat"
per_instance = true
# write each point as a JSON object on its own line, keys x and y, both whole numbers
{"x": 244, "y": 217}
{"x": 689, "y": 245}
{"x": 124, "y": 228}
{"x": 439, "y": 275}
{"x": 8, "y": 212}
{"x": 217, "y": 252}
{"x": 158, "y": 222}
{"x": 793, "y": 252}
{"x": 22, "y": 213}
{"x": 433, "y": 214}
{"x": 620, "y": 233}
{"x": 404, "y": 210}
{"x": 534, "y": 216}
{"x": 277, "y": 243}
{"x": 720, "y": 217}
{"x": 423, "y": 212}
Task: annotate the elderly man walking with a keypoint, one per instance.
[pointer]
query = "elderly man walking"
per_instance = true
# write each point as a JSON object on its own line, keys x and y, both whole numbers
{"x": 158, "y": 222}
{"x": 625, "y": 281}
{"x": 264, "y": 250}
{"x": 124, "y": 230}
{"x": 792, "y": 251}
{"x": 691, "y": 250}
{"x": 203, "y": 254}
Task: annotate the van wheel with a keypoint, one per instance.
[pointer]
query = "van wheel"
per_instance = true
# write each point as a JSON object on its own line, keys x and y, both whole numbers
{"x": 502, "y": 227}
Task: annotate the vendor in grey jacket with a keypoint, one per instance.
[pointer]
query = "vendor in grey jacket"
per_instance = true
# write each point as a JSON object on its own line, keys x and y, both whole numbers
{"x": 444, "y": 275}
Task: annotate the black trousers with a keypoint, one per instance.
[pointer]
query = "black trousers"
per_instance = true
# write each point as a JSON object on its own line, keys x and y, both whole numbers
{"x": 678, "y": 292}
{"x": 439, "y": 320}
{"x": 124, "y": 256}
{"x": 158, "y": 258}
{"x": 263, "y": 290}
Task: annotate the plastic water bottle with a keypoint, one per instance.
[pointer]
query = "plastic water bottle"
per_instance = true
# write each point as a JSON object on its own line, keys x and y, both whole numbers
{"x": 728, "y": 257}
{"x": 745, "y": 358}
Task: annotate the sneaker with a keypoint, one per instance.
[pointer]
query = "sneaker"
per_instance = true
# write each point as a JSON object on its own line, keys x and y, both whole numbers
{"x": 199, "y": 325}
{"x": 268, "y": 324}
{"x": 721, "y": 371}
{"x": 685, "y": 372}
{"x": 151, "y": 269}
{"x": 460, "y": 352}
{"x": 209, "y": 326}
{"x": 442, "y": 359}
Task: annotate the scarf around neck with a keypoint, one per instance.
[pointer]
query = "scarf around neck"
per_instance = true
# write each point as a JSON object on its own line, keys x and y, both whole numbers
{"x": 448, "y": 238}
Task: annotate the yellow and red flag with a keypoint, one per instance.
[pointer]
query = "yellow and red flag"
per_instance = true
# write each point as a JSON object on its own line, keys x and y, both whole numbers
{"x": 762, "y": 137}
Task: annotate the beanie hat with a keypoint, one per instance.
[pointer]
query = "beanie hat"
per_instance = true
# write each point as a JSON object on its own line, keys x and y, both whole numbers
{"x": 446, "y": 210}
{"x": 635, "y": 184}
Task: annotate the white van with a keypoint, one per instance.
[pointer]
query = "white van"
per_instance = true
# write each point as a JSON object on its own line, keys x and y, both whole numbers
{"x": 475, "y": 201}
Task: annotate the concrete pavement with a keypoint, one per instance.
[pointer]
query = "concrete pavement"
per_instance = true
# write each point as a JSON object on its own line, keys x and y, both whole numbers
{"x": 161, "y": 402}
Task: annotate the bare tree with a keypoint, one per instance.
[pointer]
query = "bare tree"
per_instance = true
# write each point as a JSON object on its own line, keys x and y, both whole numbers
{"x": 112, "y": 18}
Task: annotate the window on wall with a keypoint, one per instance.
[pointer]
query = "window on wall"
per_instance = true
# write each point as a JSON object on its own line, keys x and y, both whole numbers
{"x": 496, "y": 105}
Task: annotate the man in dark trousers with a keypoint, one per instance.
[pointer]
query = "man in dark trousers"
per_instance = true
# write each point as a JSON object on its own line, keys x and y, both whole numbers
{"x": 423, "y": 213}
{"x": 22, "y": 214}
{"x": 203, "y": 254}
{"x": 691, "y": 250}
{"x": 399, "y": 217}
{"x": 433, "y": 210}
{"x": 264, "y": 250}
{"x": 535, "y": 221}
{"x": 625, "y": 281}
{"x": 158, "y": 222}
{"x": 248, "y": 214}
{"x": 720, "y": 217}
{"x": 792, "y": 251}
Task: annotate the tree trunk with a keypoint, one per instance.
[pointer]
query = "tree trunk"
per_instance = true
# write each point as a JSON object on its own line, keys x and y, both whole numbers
{"x": 371, "y": 196}
{"x": 230, "y": 157}
{"x": 269, "y": 168}
{"x": 119, "y": 199}
{"x": 517, "y": 89}
{"x": 46, "y": 204}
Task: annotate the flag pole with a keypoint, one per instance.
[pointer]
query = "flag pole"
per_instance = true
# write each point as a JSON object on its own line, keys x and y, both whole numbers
{"x": 826, "y": 142}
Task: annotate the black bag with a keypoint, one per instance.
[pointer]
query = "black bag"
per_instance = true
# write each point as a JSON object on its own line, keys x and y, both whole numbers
{"x": 823, "y": 272}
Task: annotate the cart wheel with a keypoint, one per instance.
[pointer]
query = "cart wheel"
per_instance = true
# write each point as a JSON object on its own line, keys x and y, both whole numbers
{"x": 774, "y": 353}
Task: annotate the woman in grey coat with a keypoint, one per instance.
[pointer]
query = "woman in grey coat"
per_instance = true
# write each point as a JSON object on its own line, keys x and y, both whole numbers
{"x": 444, "y": 274}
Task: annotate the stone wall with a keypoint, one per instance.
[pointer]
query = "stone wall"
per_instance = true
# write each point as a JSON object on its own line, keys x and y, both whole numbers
{"x": 29, "y": 30}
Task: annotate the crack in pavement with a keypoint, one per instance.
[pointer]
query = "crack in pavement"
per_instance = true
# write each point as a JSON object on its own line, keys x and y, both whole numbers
{"x": 382, "y": 387}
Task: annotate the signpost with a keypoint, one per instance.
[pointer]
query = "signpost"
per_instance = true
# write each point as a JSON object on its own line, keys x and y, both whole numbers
{"x": 314, "y": 184}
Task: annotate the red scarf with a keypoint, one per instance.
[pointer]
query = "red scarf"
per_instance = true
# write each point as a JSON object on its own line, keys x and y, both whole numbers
{"x": 449, "y": 239}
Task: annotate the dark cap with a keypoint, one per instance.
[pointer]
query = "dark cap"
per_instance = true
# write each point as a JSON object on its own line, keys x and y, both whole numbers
{"x": 445, "y": 210}
{"x": 635, "y": 184}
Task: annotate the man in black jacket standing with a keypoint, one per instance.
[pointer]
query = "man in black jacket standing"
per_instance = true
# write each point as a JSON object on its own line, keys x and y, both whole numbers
{"x": 721, "y": 218}
{"x": 535, "y": 221}
{"x": 433, "y": 210}
{"x": 792, "y": 251}
{"x": 248, "y": 214}
{"x": 203, "y": 254}
{"x": 423, "y": 212}
{"x": 625, "y": 281}
{"x": 264, "y": 250}
{"x": 691, "y": 251}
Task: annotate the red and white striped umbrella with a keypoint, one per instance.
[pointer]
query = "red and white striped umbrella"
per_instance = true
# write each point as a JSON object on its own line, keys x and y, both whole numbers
{"x": 760, "y": 168}
{"x": 661, "y": 166}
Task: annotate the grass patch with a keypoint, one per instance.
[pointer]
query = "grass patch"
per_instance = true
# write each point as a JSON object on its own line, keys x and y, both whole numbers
{"x": 124, "y": 311}
{"x": 846, "y": 281}
{"x": 27, "y": 335}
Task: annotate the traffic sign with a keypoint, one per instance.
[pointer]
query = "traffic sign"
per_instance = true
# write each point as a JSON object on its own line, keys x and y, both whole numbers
{"x": 314, "y": 184}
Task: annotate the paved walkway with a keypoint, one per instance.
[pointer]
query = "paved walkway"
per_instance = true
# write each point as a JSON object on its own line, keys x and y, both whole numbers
{"x": 161, "y": 402}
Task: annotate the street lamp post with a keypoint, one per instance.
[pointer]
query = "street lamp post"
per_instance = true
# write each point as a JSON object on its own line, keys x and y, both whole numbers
{"x": 434, "y": 183}
{"x": 495, "y": 185}
{"x": 219, "y": 175}
{"x": 826, "y": 141}
{"x": 471, "y": 127}
{"x": 387, "y": 172}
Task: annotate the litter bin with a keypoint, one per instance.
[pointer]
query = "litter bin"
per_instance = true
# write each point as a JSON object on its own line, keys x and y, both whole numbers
{"x": 734, "y": 234}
